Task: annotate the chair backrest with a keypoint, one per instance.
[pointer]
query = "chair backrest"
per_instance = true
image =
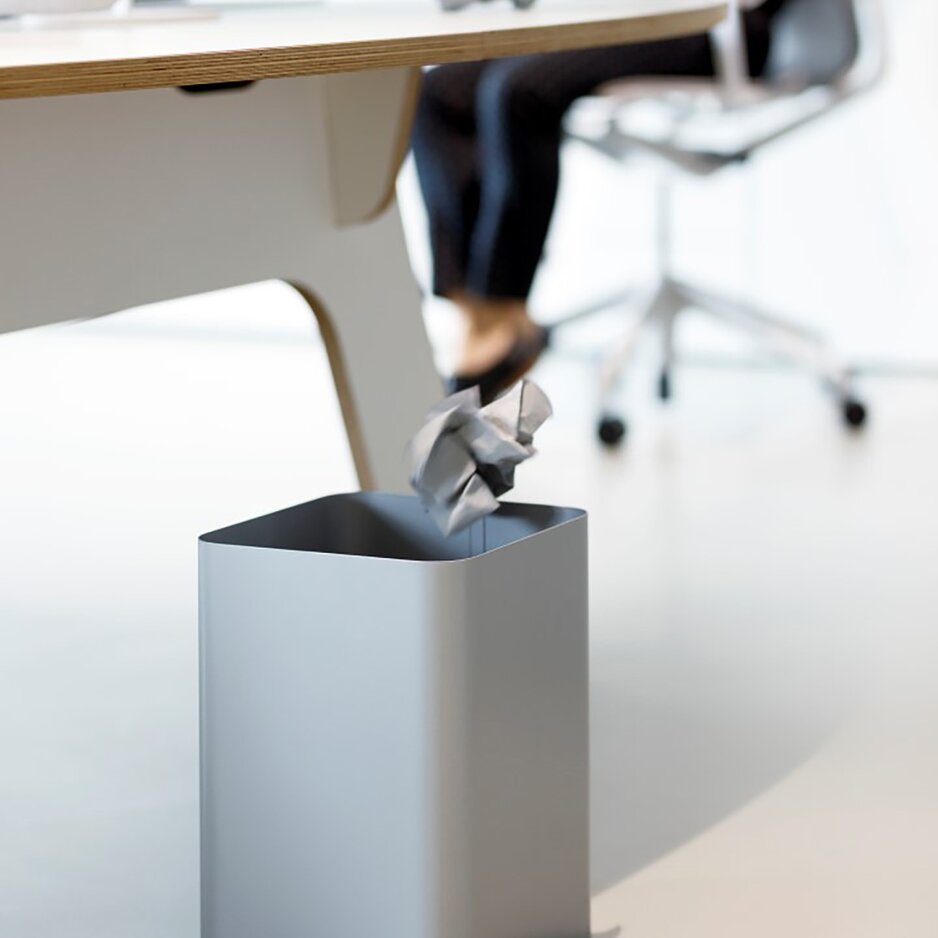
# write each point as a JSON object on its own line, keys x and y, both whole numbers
{"x": 823, "y": 53}
{"x": 814, "y": 42}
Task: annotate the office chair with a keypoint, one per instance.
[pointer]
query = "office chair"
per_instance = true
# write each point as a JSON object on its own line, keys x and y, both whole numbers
{"x": 823, "y": 54}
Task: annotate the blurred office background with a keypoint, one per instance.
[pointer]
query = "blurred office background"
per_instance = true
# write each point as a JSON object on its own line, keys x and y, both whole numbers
{"x": 833, "y": 222}
{"x": 764, "y": 609}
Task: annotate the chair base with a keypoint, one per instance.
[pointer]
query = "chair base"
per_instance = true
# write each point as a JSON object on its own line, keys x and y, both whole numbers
{"x": 782, "y": 338}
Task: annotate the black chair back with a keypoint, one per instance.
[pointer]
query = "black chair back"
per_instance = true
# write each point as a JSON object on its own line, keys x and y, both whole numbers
{"x": 814, "y": 42}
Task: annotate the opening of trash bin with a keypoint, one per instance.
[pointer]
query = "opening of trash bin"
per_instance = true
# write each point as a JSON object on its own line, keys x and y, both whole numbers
{"x": 374, "y": 524}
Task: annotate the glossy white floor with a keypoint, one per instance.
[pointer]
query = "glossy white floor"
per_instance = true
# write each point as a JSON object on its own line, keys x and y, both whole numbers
{"x": 765, "y": 605}
{"x": 764, "y": 629}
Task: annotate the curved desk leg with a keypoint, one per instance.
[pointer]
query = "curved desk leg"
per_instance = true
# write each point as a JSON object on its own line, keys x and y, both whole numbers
{"x": 368, "y": 311}
{"x": 383, "y": 373}
{"x": 343, "y": 386}
{"x": 373, "y": 349}
{"x": 117, "y": 200}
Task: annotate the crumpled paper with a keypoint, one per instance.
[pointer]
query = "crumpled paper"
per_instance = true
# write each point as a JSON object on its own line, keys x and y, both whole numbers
{"x": 465, "y": 455}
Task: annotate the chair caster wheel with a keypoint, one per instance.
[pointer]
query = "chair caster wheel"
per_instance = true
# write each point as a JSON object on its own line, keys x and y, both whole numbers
{"x": 664, "y": 386}
{"x": 853, "y": 412}
{"x": 611, "y": 431}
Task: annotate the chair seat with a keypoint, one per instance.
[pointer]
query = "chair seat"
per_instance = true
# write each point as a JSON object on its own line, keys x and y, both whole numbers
{"x": 808, "y": 75}
{"x": 673, "y": 119}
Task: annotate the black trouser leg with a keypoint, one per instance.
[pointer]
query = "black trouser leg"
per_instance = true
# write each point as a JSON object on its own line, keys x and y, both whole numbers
{"x": 487, "y": 145}
{"x": 446, "y": 153}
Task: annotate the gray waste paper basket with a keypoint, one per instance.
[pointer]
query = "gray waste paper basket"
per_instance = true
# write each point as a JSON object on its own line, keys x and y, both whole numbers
{"x": 394, "y": 726}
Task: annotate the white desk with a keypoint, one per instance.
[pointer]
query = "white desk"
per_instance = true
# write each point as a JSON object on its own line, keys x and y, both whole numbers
{"x": 118, "y": 189}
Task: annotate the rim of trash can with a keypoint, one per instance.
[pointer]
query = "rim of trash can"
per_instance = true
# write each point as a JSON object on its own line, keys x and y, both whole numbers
{"x": 233, "y": 535}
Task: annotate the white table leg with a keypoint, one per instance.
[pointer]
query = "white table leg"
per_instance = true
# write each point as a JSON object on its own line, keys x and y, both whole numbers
{"x": 117, "y": 200}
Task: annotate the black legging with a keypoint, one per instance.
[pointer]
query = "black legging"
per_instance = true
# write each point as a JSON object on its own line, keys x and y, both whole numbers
{"x": 487, "y": 141}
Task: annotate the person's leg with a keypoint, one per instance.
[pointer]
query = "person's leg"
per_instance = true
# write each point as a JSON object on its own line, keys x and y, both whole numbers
{"x": 758, "y": 23}
{"x": 445, "y": 153}
{"x": 521, "y": 104}
{"x": 445, "y": 150}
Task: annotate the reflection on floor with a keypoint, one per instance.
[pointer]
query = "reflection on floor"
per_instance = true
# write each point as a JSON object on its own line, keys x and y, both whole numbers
{"x": 764, "y": 626}
{"x": 765, "y": 637}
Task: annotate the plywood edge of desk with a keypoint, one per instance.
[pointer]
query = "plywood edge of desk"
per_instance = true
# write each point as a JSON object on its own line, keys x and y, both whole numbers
{"x": 197, "y": 68}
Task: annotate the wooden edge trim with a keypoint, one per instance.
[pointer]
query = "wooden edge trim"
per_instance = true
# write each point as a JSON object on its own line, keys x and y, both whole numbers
{"x": 343, "y": 386}
{"x": 199, "y": 68}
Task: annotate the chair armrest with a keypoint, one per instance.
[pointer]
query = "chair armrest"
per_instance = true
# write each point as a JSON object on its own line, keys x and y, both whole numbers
{"x": 730, "y": 53}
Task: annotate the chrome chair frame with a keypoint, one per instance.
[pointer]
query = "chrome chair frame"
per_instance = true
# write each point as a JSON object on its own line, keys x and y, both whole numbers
{"x": 731, "y": 97}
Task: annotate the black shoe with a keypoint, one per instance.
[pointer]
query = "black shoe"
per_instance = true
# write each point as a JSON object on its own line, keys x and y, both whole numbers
{"x": 502, "y": 375}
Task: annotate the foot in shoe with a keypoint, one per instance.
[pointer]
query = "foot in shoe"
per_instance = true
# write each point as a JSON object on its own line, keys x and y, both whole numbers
{"x": 493, "y": 327}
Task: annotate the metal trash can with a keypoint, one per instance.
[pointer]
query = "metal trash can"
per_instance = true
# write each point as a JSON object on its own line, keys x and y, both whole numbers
{"x": 394, "y": 724}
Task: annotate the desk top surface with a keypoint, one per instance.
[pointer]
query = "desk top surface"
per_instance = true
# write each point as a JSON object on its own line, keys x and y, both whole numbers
{"x": 278, "y": 41}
